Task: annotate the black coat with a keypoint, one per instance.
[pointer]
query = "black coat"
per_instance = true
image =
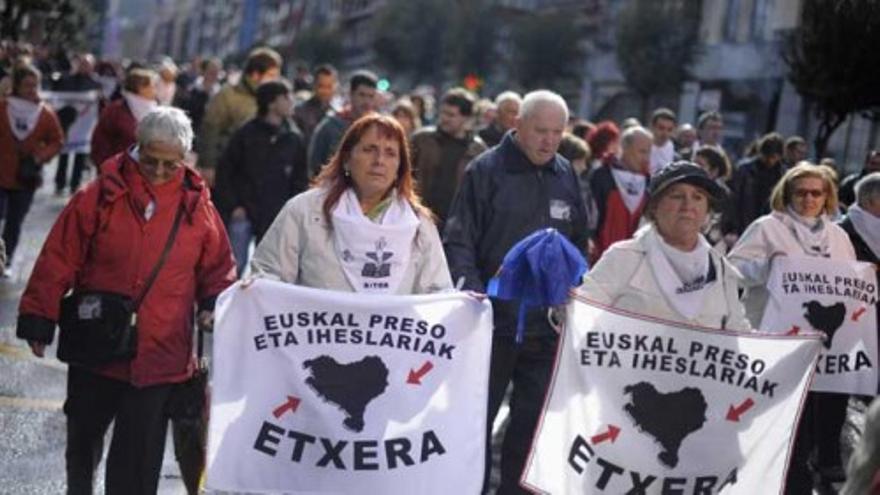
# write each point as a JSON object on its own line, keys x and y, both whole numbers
{"x": 261, "y": 168}
{"x": 749, "y": 198}
{"x": 502, "y": 199}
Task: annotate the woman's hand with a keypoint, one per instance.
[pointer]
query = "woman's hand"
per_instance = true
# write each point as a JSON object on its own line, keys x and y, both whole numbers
{"x": 38, "y": 348}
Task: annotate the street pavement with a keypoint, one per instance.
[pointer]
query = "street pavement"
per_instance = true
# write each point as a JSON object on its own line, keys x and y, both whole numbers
{"x": 32, "y": 390}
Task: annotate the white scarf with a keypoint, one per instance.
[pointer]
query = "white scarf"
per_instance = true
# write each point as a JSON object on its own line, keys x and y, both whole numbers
{"x": 662, "y": 156}
{"x": 867, "y": 225}
{"x": 631, "y": 186}
{"x": 139, "y": 105}
{"x": 810, "y": 233}
{"x": 682, "y": 276}
{"x": 23, "y": 116}
{"x": 374, "y": 255}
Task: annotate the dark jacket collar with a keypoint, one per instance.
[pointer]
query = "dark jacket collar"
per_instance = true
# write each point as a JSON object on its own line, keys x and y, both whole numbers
{"x": 516, "y": 161}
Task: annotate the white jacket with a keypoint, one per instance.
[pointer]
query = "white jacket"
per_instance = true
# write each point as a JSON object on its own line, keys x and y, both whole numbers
{"x": 765, "y": 237}
{"x": 623, "y": 279}
{"x": 298, "y": 248}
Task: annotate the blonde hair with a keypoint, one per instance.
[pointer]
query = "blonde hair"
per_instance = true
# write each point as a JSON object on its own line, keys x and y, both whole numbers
{"x": 780, "y": 198}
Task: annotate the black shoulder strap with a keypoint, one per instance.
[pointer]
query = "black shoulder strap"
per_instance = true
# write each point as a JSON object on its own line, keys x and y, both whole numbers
{"x": 168, "y": 243}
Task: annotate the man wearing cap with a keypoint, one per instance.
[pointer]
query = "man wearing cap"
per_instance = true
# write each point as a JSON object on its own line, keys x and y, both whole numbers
{"x": 669, "y": 270}
{"x": 507, "y": 193}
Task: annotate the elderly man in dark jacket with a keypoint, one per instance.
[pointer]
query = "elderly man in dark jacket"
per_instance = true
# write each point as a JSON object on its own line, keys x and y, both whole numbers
{"x": 507, "y": 193}
{"x": 263, "y": 166}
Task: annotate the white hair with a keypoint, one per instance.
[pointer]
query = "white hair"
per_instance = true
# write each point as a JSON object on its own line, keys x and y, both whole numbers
{"x": 868, "y": 189}
{"x": 632, "y": 133}
{"x": 508, "y": 96}
{"x": 540, "y": 98}
{"x": 167, "y": 125}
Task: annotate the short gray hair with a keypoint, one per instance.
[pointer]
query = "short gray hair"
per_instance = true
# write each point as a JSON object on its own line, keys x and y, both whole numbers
{"x": 632, "y": 133}
{"x": 166, "y": 125}
{"x": 508, "y": 96}
{"x": 868, "y": 189}
{"x": 539, "y": 98}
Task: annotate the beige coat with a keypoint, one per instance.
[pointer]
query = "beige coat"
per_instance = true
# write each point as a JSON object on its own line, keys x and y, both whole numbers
{"x": 624, "y": 280}
{"x": 298, "y": 248}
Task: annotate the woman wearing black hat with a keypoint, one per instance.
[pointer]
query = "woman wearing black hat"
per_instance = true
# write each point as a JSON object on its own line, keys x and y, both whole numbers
{"x": 668, "y": 270}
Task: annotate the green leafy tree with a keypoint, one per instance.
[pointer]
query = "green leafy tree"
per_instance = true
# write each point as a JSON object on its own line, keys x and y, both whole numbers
{"x": 317, "y": 45}
{"x": 411, "y": 38}
{"x": 546, "y": 50}
{"x": 657, "y": 43}
{"x": 834, "y": 63}
{"x": 65, "y": 20}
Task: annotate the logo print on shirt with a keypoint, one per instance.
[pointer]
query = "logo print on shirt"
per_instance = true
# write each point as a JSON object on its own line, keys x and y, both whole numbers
{"x": 379, "y": 267}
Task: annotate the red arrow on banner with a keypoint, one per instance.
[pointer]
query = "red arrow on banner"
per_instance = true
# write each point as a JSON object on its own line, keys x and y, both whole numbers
{"x": 734, "y": 413}
{"x": 415, "y": 377}
{"x": 291, "y": 405}
{"x": 859, "y": 312}
{"x": 794, "y": 330}
{"x": 611, "y": 434}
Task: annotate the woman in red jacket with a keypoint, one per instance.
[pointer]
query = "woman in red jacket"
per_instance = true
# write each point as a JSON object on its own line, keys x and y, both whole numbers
{"x": 109, "y": 238}
{"x": 30, "y": 135}
{"x": 115, "y": 131}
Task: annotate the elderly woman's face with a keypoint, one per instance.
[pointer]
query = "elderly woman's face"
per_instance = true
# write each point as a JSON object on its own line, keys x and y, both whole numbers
{"x": 681, "y": 212}
{"x": 808, "y": 196}
{"x": 373, "y": 164}
{"x": 159, "y": 161}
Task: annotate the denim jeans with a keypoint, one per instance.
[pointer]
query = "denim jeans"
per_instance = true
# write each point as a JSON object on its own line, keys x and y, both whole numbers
{"x": 241, "y": 233}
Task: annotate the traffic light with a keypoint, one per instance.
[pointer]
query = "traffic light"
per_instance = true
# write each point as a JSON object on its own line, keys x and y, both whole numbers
{"x": 383, "y": 84}
{"x": 472, "y": 82}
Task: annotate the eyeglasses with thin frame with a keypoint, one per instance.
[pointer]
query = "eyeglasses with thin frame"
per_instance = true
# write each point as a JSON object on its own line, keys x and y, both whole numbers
{"x": 815, "y": 193}
{"x": 156, "y": 163}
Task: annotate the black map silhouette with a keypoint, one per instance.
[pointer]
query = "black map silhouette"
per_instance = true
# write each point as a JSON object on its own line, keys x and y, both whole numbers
{"x": 349, "y": 386}
{"x": 668, "y": 418}
{"x": 826, "y": 319}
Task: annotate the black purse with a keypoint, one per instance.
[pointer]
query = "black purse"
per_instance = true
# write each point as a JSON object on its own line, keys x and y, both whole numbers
{"x": 30, "y": 174}
{"x": 187, "y": 399}
{"x": 99, "y": 327}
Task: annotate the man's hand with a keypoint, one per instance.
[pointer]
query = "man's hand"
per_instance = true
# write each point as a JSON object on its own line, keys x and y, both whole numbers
{"x": 205, "y": 320}
{"x": 208, "y": 175}
{"x": 239, "y": 213}
{"x": 38, "y": 348}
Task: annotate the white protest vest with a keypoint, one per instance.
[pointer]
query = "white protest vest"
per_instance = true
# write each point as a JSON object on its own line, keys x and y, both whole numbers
{"x": 23, "y": 116}
{"x": 317, "y": 391}
{"x": 374, "y": 256}
{"x": 631, "y": 187}
{"x": 644, "y": 406}
{"x": 837, "y": 299}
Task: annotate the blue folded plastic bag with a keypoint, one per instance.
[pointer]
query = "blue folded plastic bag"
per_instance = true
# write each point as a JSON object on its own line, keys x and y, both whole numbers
{"x": 538, "y": 271}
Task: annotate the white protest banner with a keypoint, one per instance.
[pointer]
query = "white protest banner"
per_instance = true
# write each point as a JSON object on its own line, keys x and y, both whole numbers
{"x": 645, "y": 406}
{"x": 837, "y": 299}
{"x": 328, "y": 392}
{"x": 82, "y": 107}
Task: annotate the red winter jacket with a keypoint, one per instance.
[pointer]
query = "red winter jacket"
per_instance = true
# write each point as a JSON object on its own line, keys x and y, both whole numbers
{"x": 115, "y": 132}
{"x": 101, "y": 241}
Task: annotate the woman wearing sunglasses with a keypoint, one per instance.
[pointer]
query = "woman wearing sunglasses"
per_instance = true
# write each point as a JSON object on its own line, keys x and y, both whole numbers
{"x": 803, "y": 202}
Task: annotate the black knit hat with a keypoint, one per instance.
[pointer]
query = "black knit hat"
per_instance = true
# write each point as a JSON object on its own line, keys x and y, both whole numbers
{"x": 686, "y": 172}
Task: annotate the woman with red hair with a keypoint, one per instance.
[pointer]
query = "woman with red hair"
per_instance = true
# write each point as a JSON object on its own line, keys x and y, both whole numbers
{"x": 362, "y": 227}
{"x": 604, "y": 141}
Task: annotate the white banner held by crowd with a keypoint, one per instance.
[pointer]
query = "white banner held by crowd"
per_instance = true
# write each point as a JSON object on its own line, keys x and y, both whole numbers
{"x": 328, "y": 392}
{"x": 82, "y": 107}
{"x": 837, "y": 299}
{"x": 644, "y": 406}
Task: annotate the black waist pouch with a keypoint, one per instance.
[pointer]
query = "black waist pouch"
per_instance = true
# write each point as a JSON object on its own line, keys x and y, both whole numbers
{"x": 97, "y": 328}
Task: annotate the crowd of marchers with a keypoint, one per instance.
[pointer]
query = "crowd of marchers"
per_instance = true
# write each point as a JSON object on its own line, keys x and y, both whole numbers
{"x": 205, "y": 174}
